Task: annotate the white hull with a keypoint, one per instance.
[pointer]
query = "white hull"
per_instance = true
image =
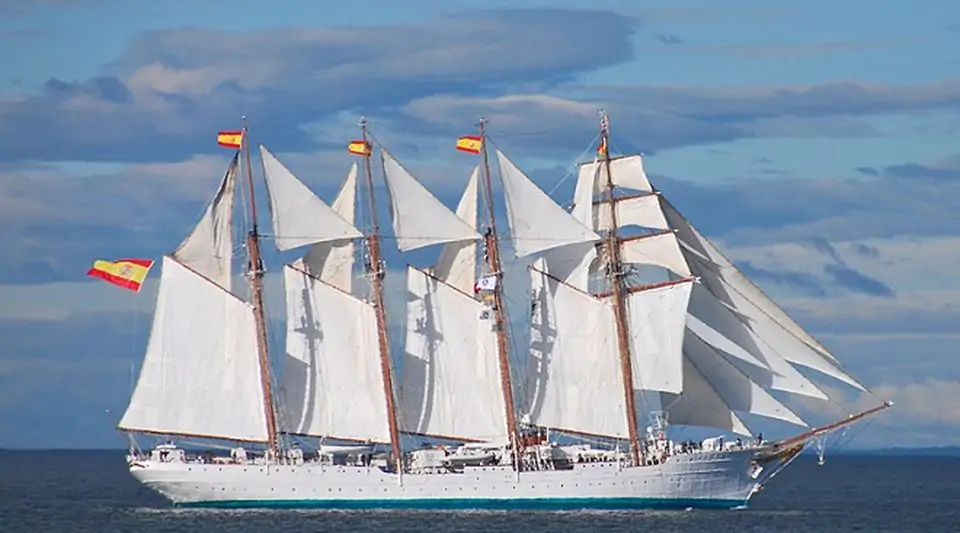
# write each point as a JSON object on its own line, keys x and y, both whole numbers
{"x": 706, "y": 479}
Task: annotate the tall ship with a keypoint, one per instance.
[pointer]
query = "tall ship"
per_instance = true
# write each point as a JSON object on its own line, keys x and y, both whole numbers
{"x": 550, "y": 366}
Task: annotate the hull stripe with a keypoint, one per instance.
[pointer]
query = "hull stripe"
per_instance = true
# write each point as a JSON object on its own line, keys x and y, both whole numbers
{"x": 467, "y": 503}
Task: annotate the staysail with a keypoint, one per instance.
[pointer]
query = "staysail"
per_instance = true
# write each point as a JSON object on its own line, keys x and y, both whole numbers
{"x": 209, "y": 248}
{"x": 537, "y": 223}
{"x": 419, "y": 219}
{"x": 757, "y": 312}
{"x": 299, "y": 216}
{"x": 457, "y": 265}
{"x": 333, "y": 261}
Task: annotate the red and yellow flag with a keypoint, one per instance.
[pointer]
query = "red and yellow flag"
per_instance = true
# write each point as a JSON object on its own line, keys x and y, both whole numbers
{"x": 602, "y": 149}
{"x": 359, "y": 147}
{"x": 230, "y": 139}
{"x": 126, "y": 273}
{"x": 470, "y": 144}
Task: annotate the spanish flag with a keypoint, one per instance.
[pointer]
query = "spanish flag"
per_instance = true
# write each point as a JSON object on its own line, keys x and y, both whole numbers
{"x": 230, "y": 139}
{"x": 602, "y": 149}
{"x": 126, "y": 273}
{"x": 470, "y": 144}
{"x": 359, "y": 147}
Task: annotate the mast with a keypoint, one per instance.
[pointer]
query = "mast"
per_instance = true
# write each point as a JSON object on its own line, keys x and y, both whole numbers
{"x": 492, "y": 244}
{"x": 255, "y": 271}
{"x": 615, "y": 276}
{"x": 376, "y": 275}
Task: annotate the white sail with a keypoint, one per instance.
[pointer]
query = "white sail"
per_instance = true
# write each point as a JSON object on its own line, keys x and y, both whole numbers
{"x": 627, "y": 172}
{"x": 656, "y": 320}
{"x": 451, "y": 378}
{"x": 572, "y": 264}
{"x": 658, "y": 249}
{"x": 575, "y": 379}
{"x": 332, "y": 378}
{"x": 789, "y": 346}
{"x": 201, "y": 373}
{"x": 537, "y": 223}
{"x": 641, "y": 210}
{"x": 736, "y": 389}
{"x": 299, "y": 216}
{"x": 209, "y": 248}
{"x": 693, "y": 240}
{"x": 419, "y": 219}
{"x": 725, "y": 331}
{"x": 764, "y": 317}
{"x": 700, "y": 404}
{"x": 457, "y": 265}
{"x": 333, "y": 261}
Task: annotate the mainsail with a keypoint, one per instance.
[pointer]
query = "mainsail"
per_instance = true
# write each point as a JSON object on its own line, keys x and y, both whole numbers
{"x": 451, "y": 379}
{"x": 573, "y": 371}
{"x": 332, "y": 376}
{"x": 201, "y": 375}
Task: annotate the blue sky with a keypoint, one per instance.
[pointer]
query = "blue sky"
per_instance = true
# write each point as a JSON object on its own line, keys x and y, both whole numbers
{"x": 816, "y": 141}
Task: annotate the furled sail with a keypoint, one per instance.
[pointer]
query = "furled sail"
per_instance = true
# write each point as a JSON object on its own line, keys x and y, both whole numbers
{"x": 537, "y": 223}
{"x": 201, "y": 373}
{"x": 208, "y": 249}
{"x": 332, "y": 377}
{"x": 299, "y": 216}
{"x": 333, "y": 261}
{"x": 574, "y": 373}
{"x": 457, "y": 265}
{"x": 451, "y": 378}
{"x": 419, "y": 219}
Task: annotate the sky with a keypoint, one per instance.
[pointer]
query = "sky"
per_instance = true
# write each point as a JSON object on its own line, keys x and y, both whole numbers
{"x": 816, "y": 142}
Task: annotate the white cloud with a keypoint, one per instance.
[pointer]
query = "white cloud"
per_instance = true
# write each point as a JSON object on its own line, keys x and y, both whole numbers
{"x": 170, "y": 89}
{"x": 930, "y": 402}
{"x": 915, "y": 264}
